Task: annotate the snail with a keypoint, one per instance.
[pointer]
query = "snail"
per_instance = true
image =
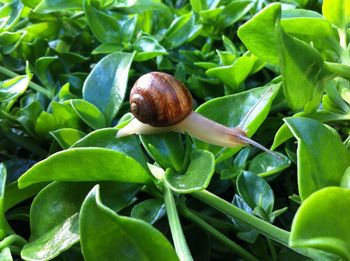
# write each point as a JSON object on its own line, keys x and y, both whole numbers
{"x": 161, "y": 103}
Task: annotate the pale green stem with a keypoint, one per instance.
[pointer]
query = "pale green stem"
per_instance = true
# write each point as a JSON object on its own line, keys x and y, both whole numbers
{"x": 8, "y": 241}
{"x": 269, "y": 230}
{"x": 343, "y": 41}
{"x": 342, "y": 38}
{"x": 275, "y": 233}
{"x": 32, "y": 85}
{"x": 218, "y": 235}
{"x": 177, "y": 234}
{"x": 340, "y": 70}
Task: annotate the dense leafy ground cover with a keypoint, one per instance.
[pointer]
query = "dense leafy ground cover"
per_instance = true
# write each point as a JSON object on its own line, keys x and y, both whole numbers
{"x": 70, "y": 190}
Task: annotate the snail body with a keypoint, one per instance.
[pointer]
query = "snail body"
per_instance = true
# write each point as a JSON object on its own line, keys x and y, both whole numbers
{"x": 161, "y": 103}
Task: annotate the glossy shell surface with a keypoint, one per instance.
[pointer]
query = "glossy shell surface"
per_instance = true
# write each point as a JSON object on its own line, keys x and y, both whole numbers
{"x": 160, "y": 100}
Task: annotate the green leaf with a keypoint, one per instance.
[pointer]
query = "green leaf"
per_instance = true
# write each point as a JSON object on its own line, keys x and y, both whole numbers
{"x": 60, "y": 200}
{"x": 106, "y": 138}
{"x": 108, "y": 236}
{"x": 255, "y": 191}
{"x": 322, "y": 157}
{"x": 198, "y": 5}
{"x": 345, "y": 181}
{"x": 128, "y": 29}
{"x": 245, "y": 232}
{"x": 147, "y": 48}
{"x": 283, "y": 134}
{"x": 5, "y": 254}
{"x": 233, "y": 12}
{"x": 337, "y": 12}
{"x": 166, "y": 149}
{"x": 107, "y": 48}
{"x": 322, "y": 221}
{"x": 14, "y": 195}
{"x": 66, "y": 137}
{"x": 234, "y": 75}
{"x": 149, "y": 210}
{"x": 5, "y": 229}
{"x": 266, "y": 165}
{"x": 262, "y": 43}
{"x": 310, "y": 29}
{"x": 90, "y": 114}
{"x": 180, "y": 31}
{"x": 28, "y": 115}
{"x": 204, "y": 87}
{"x": 11, "y": 89}
{"x": 238, "y": 165}
{"x": 336, "y": 98}
{"x": 63, "y": 116}
{"x": 246, "y": 109}
{"x": 229, "y": 46}
{"x": 45, "y": 123}
{"x": 196, "y": 177}
{"x": 53, "y": 242}
{"x": 10, "y": 41}
{"x": 226, "y": 58}
{"x": 43, "y": 67}
{"x": 303, "y": 73}
{"x": 44, "y": 30}
{"x": 105, "y": 87}
{"x": 85, "y": 164}
{"x": 49, "y": 6}
{"x": 105, "y": 27}
{"x": 13, "y": 11}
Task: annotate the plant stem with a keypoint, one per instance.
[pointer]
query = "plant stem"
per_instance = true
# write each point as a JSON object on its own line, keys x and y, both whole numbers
{"x": 218, "y": 235}
{"x": 263, "y": 227}
{"x": 339, "y": 69}
{"x": 343, "y": 41}
{"x": 32, "y": 85}
{"x": 7, "y": 241}
{"x": 275, "y": 233}
{"x": 177, "y": 234}
{"x": 342, "y": 38}
{"x": 272, "y": 249}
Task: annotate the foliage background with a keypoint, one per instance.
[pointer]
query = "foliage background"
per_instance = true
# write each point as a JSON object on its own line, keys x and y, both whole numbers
{"x": 66, "y": 68}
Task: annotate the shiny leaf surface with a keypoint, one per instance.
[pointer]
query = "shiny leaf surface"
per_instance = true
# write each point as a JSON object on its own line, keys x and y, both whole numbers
{"x": 105, "y": 86}
{"x": 78, "y": 164}
{"x": 314, "y": 223}
{"x": 106, "y": 235}
{"x": 318, "y": 164}
{"x": 196, "y": 177}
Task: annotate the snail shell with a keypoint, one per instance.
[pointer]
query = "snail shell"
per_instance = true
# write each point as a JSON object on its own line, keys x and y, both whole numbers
{"x": 160, "y": 100}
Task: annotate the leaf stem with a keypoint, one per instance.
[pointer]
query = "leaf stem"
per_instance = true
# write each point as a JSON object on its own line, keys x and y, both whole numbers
{"x": 342, "y": 38}
{"x": 340, "y": 70}
{"x": 217, "y": 234}
{"x": 178, "y": 236}
{"x": 7, "y": 241}
{"x": 272, "y": 249}
{"x": 267, "y": 229}
{"x": 275, "y": 233}
{"x": 32, "y": 85}
{"x": 343, "y": 41}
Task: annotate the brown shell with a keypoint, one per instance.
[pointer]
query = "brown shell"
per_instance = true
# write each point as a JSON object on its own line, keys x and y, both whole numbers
{"x": 160, "y": 100}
